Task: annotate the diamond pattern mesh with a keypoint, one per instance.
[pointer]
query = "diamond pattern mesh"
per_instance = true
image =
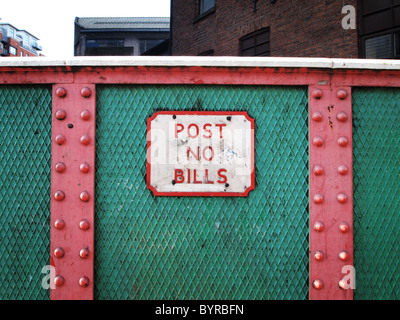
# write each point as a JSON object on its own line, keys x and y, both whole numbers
{"x": 376, "y": 156}
{"x": 25, "y": 160}
{"x": 199, "y": 247}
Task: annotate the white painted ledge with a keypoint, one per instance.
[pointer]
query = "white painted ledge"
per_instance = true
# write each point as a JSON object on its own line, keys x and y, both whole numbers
{"x": 189, "y": 61}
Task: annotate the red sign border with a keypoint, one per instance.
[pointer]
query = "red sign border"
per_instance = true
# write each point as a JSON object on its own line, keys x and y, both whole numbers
{"x": 201, "y": 194}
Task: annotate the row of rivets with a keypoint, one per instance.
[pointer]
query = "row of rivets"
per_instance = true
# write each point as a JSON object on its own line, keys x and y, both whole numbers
{"x": 60, "y": 167}
{"x": 341, "y": 116}
{"x": 319, "y": 141}
{"x": 60, "y": 139}
{"x": 62, "y": 114}
{"x": 83, "y": 224}
{"x": 343, "y": 255}
{"x": 318, "y": 198}
{"x": 59, "y": 253}
{"x": 341, "y": 94}
{"x": 319, "y": 227}
{"x": 62, "y": 92}
{"x": 319, "y": 170}
{"x": 318, "y": 284}
{"x": 83, "y": 281}
{"x": 59, "y": 195}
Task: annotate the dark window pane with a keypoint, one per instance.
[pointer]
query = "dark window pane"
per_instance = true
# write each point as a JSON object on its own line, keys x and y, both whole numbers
{"x": 397, "y": 44}
{"x": 206, "y": 5}
{"x": 256, "y": 43}
{"x": 369, "y": 6}
{"x": 396, "y": 12}
{"x": 378, "y": 22}
{"x": 247, "y": 43}
{"x": 379, "y": 47}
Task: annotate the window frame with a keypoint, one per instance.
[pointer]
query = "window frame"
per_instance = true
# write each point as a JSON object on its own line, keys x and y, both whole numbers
{"x": 199, "y": 14}
{"x": 13, "y": 50}
{"x": 203, "y": 11}
{"x": 253, "y": 36}
{"x": 394, "y": 43}
{"x": 388, "y": 30}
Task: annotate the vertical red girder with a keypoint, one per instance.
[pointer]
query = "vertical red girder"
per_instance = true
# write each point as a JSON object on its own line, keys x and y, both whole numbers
{"x": 72, "y": 191}
{"x": 331, "y": 194}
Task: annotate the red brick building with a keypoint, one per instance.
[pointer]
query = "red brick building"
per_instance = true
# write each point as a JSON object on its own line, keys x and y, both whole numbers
{"x": 290, "y": 28}
{"x": 18, "y": 43}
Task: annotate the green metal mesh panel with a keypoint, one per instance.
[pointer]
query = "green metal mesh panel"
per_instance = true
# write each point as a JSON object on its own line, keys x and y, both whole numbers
{"x": 25, "y": 160}
{"x": 376, "y": 156}
{"x": 200, "y": 247}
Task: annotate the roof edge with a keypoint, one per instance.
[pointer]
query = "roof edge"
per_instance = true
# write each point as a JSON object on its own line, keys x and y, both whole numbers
{"x": 194, "y": 61}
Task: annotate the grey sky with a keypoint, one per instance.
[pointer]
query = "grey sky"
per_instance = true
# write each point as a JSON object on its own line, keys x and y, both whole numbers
{"x": 52, "y": 21}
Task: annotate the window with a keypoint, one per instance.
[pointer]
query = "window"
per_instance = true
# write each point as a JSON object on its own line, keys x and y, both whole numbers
{"x": 105, "y": 43}
{"x": 256, "y": 43}
{"x": 147, "y": 44}
{"x": 207, "y": 53}
{"x": 380, "y": 29}
{"x": 13, "y": 50}
{"x": 206, "y": 5}
{"x": 12, "y": 33}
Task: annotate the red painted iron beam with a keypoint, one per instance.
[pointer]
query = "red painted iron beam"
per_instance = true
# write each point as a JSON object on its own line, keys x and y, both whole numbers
{"x": 199, "y": 75}
{"x": 72, "y": 191}
{"x": 331, "y": 194}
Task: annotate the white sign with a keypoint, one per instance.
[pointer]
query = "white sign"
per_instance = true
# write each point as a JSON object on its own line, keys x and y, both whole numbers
{"x": 200, "y": 153}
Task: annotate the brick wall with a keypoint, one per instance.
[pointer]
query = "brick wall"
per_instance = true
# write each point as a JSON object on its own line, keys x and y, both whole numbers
{"x": 299, "y": 28}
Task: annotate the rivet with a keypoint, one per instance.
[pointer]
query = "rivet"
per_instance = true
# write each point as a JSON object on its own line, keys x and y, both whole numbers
{"x": 59, "y": 252}
{"x": 317, "y": 116}
{"x": 343, "y": 284}
{"x": 59, "y": 224}
{"x": 343, "y": 141}
{"x": 59, "y": 195}
{"x": 341, "y": 116}
{"x": 318, "y": 141}
{"x": 342, "y": 94}
{"x": 342, "y": 198}
{"x": 59, "y": 281}
{"x": 84, "y": 253}
{"x": 61, "y": 114}
{"x": 319, "y": 256}
{"x": 84, "y": 167}
{"x": 86, "y": 92}
{"x": 342, "y": 169}
{"x": 317, "y": 93}
{"x": 61, "y": 92}
{"x": 85, "y": 139}
{"x": 318, "y": 284}
{"x": 318, "y": 170}
{"x": 60, "y": 139}
{"x": 318, "y": 198}
{"x": 344, "y": 227}
{"x": 85, "y": 115}
{"x": 318, "y": 226}
{"x": 84, "y": 225}
{"x": 60, "y": 167}
{"x": 84, "y": 281}
{"x": 344, "y": 255}
{"x": 84, "y": 196}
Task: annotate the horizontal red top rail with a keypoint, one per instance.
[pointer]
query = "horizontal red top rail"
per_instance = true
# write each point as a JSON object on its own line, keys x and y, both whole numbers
{"x": 202, "y": 70}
